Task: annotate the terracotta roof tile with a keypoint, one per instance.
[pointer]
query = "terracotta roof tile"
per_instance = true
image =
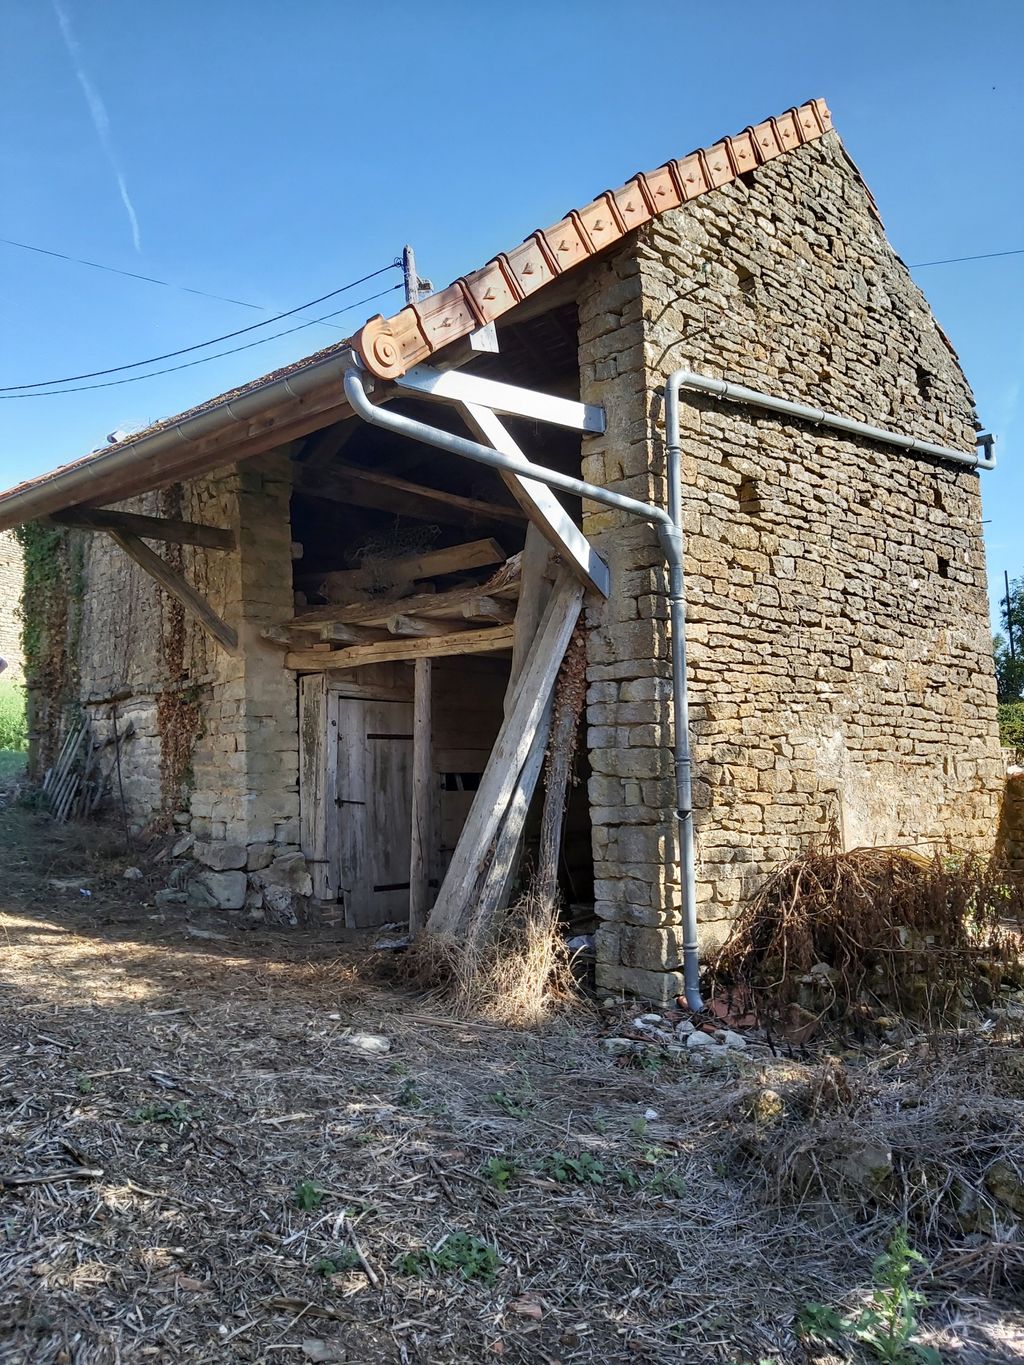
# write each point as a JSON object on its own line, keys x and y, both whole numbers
{"x": 390, "y": 346}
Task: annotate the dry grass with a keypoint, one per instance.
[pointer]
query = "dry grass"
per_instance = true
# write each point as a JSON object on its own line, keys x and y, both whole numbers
{"x": 899, "y": 931}
{"x": 163, "y": 1099}
{"x": 521, "y": 979}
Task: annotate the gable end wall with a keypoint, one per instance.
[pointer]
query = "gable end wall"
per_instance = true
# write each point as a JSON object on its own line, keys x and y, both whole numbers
{"x": 840, "y": 659}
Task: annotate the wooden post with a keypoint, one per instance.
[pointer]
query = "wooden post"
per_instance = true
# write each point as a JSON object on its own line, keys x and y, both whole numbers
{"x": 422, "y": 799}
{"x": 453, "y": 909}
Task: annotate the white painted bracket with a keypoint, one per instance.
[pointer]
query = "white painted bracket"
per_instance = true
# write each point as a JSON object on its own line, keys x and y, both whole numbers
{"x": 539, "y": 502}
{"x": 453, "y": 386}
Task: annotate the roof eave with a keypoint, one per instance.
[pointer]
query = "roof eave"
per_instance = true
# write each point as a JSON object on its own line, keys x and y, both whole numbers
{"x": 242, "y": 425}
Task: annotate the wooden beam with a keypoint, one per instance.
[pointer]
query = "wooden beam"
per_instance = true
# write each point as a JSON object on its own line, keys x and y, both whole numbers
{"x": 452, "y": 914}
{"x": 422, "y": 799}
{"x": 420, "y": 604}
{"x": 318, "y": 761}
{"x": 336, "y": 633}
{"x": 151, "y": 528}
{"x": 486, "y": 641}
{"x": 535, "y": 583}
{"x": 489, "y": 609}
{"x": 283, "y": 636}
{"x": 473, "y": 554}
{"x": 423, "y": 627}
{"x": 496, "y": 882}
{"x": 540, "y": 503}
{"x": 388, "y": 493}
{"x": 177, "y": 587}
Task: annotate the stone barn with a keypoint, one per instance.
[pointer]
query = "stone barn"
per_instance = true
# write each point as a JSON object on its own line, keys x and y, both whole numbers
{"x": 320, "y": 618}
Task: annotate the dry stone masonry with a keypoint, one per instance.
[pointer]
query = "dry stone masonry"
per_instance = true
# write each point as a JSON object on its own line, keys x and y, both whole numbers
{"x": 234, "y": 768}
{"x": 11, "y": 578}
{"x": 841, "y": 666}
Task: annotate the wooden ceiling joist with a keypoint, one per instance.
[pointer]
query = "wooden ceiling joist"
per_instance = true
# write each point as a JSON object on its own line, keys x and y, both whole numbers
{"x": 486, "y": 641}
{"x": 387, "y": 493}
{"x": 437, "y": 605}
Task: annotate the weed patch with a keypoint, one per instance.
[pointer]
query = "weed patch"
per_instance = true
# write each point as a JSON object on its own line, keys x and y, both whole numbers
{"x": 460, "y": 1253}
{"x": 308, "y": 1195}
{"x": 887, "y": 1326}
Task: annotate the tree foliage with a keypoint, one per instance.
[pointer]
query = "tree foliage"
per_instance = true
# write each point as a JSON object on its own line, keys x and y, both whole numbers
{"x": 1010, "y": 657}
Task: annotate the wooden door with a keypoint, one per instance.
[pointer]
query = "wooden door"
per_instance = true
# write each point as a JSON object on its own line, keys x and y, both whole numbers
{"x": 374, "y": 809}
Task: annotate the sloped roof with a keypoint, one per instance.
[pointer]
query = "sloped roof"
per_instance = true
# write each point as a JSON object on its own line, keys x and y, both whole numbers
{"x": 300, "y": 397}
{"x": 390, "y": 346}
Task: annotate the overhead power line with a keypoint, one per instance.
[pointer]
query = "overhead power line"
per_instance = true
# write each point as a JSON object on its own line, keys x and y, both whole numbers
{"x": 234, "y": 350}
{"x": 131, "y": 274}
{"x": 201, "y": 345}
{"x": 956, "y": 260}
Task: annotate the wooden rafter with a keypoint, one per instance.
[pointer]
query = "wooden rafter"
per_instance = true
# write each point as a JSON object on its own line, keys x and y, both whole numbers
{"x": 167, "y": 529}
{"x": 388, "y": 493}
{"x": 177, "y": 587}
{"x": 540, "y": 503}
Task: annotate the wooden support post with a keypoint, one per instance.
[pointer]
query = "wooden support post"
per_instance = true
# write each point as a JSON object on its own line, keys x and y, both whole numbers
{"x": 422, "y": 799}
{"x": 318, "y": 762}
{"x": 453, "y": 908}
{"x": 534, "y": 592}
{"x": 496, "y": 883}
{"x": 178, "y": 587}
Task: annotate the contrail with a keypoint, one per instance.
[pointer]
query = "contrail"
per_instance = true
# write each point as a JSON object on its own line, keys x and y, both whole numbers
{"x": 100, "y": 118}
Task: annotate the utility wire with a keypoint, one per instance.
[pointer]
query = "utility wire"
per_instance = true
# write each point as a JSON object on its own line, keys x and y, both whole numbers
{"x": 955, "y": 260}
{"x": 172, "y": 369}
{"x": 130, "y": 274}
{"x": 201, "y": 345}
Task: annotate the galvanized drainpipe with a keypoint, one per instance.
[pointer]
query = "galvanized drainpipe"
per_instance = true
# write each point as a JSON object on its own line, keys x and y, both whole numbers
{"x": 668, "y": 525}
{"x": 736, "y": 393}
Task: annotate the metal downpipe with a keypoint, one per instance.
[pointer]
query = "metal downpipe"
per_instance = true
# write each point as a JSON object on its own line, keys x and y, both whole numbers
{"x": 669, "y": 527}
{"x": 680, "y": 695}
{"x": 736, "y": 393}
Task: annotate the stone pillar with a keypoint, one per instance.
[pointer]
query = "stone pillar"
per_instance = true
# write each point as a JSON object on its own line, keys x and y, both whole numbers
{"x": 629, "y": 673}
{"x": 246, "y": 761}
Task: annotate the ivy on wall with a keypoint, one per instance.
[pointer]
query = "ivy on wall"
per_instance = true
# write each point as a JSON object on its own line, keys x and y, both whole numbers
{"x": 51, "y": 625}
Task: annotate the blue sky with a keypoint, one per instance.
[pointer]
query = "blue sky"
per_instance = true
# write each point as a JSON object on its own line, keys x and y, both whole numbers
{"x": 271, "y": 152}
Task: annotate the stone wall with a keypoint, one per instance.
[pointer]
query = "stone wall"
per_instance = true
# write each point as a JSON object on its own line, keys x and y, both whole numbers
{"x": 840, "y": 658}
{"x": 11, "y": 575}
{"x": 1010, "y": 841}
{"x": 214, "y": 740}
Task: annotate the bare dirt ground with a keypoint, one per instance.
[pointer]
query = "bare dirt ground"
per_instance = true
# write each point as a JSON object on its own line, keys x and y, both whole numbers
{"x": 199, "y": 1163}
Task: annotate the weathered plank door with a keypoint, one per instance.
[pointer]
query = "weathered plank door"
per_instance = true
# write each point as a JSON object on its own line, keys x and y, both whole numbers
{"x": 373, "y": 800}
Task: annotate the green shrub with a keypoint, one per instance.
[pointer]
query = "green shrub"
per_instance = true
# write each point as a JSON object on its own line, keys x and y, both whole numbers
{"x": 1011, "y": 724}
{"x": 13, "y": 727}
